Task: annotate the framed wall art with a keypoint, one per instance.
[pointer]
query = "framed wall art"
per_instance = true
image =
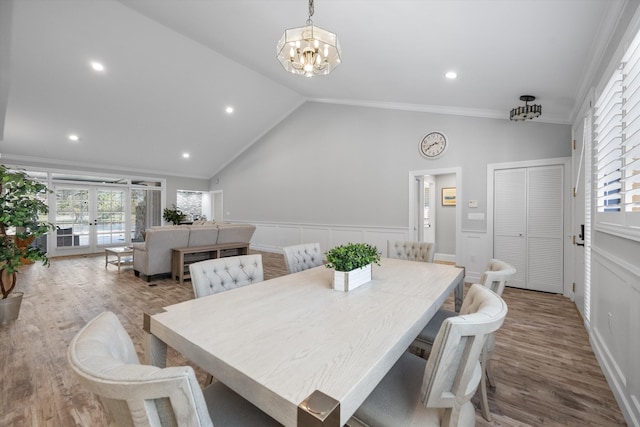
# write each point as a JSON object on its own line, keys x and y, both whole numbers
{"x": 449, "y": 196}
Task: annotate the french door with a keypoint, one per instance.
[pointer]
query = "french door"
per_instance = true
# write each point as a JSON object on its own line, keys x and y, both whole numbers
{"x": 89, "y": 218}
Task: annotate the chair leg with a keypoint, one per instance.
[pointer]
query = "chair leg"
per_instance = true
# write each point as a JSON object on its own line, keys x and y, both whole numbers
{"x": 484, "y": 401}
{"x": 490, "y": 379}
{"x": 209, "y": 380}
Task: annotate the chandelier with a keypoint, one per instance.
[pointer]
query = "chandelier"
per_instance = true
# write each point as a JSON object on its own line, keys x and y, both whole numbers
{"x": 309, "y": 50}
{"x": 528, "y": 111}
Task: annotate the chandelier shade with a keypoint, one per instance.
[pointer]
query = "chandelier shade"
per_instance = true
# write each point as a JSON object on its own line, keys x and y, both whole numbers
{"x": 309, "y": 50}
{"x": 526, "y": 112}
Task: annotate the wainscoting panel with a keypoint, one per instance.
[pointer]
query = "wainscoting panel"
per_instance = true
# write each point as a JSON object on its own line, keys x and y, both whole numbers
{"x": 272, "y": 237}
{"x": 615, "y": 328}
{"x": 289, "y": 235}
{"x": 474, "y": 254}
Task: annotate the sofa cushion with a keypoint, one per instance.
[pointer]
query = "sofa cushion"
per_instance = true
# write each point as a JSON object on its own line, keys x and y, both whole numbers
{"x": 202, "y": 235}
{"x": 231, "y": 233}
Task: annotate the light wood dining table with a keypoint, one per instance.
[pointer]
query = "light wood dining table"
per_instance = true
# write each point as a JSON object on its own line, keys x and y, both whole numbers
{"x": 295, "y": 347}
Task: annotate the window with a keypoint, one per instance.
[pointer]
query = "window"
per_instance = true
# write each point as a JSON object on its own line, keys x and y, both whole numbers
{"x": 616, "y": 151}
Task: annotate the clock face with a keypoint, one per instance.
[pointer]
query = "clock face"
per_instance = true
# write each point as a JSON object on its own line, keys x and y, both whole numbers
{"x": 433, "y": 145}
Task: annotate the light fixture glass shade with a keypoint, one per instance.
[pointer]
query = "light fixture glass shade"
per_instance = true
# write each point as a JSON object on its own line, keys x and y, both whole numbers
{"x": 308, "y": 51}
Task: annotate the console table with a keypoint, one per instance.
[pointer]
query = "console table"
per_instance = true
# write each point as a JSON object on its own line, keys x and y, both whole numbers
{"x": 182, "y": 257}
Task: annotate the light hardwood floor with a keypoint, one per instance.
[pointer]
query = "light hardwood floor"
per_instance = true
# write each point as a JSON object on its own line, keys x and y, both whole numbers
{"x": 546, "y": 372}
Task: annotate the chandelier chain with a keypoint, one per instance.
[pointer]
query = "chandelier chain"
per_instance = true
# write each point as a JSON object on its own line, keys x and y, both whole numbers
{"x": 311, "y": 10}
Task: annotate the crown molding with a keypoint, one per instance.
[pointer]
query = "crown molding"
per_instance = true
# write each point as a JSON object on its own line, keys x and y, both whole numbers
{"x": 438, "y": 109}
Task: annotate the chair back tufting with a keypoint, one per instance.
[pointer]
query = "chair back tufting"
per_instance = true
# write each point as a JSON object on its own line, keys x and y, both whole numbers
{"x": 410, "y": 250}
{"x": 222, "y": 274}
{"x": 302, "y": 257}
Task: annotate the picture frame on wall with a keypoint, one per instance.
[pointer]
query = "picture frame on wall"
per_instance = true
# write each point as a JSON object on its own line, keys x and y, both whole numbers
{"x": 449, "y": 196}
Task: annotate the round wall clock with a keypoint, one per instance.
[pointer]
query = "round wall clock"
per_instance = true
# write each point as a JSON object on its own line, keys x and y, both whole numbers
{"x": 433, "y": 145}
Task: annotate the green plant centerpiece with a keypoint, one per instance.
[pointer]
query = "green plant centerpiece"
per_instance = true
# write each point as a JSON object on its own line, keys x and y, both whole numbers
{"x": 352, "y": 264}
{"x": 173, "y": 215}
{"x": 22, "y": 205}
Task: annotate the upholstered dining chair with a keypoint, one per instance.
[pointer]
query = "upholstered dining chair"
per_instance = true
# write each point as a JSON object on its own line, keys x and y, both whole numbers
{"x": 221, "y": 274}
{"x": 413, "y": 251}
{"x": 302, "y": 257}
{"x": 495, "y": 278}
{"x": 104, "y": 360}
{"x": 437, "y": 392}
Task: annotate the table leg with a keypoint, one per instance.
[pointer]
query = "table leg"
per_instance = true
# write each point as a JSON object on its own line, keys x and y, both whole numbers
{"x": 319, "y": 410}
{"x": 458, "y": 294}
{"x": 118, "y": 256}
{"x": 106, "y": 259}
{"x": 155, "y": 350}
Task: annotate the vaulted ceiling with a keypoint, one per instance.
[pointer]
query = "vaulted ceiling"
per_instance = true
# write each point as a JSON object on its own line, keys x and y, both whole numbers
{"x": 173, "y": 66}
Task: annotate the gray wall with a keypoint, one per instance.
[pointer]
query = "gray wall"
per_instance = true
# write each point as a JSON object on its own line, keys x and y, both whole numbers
{"x": 445, "y": 217}
{"x": 346, "y": 165}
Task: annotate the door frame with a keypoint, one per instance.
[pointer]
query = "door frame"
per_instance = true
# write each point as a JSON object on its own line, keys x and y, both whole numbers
{"x": 414, "y": 221}
{"x": 93, "y": 245}
{"x": 566, "y": 220}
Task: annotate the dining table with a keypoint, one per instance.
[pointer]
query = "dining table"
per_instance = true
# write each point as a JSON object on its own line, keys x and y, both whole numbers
{"x": 299, "y": 350}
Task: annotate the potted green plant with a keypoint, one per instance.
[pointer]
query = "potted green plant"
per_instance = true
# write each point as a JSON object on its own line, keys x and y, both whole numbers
{"x": 20, "y": 209}
{"x": 352, "y": 264}
{"x": 173, "y": 215}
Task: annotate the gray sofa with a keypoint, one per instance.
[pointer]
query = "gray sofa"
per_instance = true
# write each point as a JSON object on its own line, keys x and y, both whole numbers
{"x": 153, "y": 256}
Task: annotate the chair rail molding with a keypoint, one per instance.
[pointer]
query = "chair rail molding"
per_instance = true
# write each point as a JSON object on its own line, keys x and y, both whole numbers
{"x": 272, "y": 236}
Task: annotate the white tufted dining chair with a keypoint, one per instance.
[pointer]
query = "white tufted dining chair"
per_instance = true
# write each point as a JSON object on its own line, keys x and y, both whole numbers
{"x": 410, "y": 250}
{"x": 438, "y": 391}
{"x": 495, "y": 277}
{"x": 302, "y": 257}
{"x": 104, "y": 360}
{"x": 221, "y": 274}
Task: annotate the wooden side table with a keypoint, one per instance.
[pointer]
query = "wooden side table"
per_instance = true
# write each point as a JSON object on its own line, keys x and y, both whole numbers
{"x": 180, "y": 257}
{"x": 123, "y": 254}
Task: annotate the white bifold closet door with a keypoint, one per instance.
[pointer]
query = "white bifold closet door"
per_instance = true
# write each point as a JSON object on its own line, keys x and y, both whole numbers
{"x": 528, "y": 228}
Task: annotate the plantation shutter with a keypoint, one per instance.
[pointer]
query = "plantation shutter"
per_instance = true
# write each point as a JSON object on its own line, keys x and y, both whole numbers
{"x": 630, "y": 155}
{"x": 608, "y": 145}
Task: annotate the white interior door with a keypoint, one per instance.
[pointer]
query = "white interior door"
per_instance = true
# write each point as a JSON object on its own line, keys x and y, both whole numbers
{"x": 510, "y": 221}
{"x": 528, "y": 225}
{"x": 545, "y": 228}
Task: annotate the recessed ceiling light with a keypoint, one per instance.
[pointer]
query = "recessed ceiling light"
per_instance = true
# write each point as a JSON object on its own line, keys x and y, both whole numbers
{"x": 451, "y": 75}
{"x": 185, "y": 155}
{"x": 74, "y": 137}
{"x": 229, "y": 109}
{"x": 97, "y": 66}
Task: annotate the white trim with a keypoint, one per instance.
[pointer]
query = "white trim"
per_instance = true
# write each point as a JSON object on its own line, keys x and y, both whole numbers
{"x": 273, "y": 236}
{"x": 96, "y": 167}
{"x": 567, "y": 220}
{"x": 608, "y": 24}
{"x": 413, "y": 221}
{"x": 439, "y": 109}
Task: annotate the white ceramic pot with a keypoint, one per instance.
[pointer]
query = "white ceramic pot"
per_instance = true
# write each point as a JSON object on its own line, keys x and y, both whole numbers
{"x": 349, "y": 280}
{"x": 10, "y": 307}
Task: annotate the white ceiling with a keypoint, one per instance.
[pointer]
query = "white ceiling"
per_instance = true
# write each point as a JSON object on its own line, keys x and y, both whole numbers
{"x": 172, "y": 66}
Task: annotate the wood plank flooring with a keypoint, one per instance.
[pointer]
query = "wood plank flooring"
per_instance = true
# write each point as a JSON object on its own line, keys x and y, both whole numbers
{"x": 545, "y": 369}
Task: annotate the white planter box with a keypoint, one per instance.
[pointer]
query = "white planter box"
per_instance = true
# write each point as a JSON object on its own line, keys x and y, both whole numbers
{"x": 349, "y": 280}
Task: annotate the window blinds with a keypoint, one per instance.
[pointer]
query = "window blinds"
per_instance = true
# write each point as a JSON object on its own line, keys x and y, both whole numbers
{"x": 631, "y": 127}
{"x": 608, "y": 147}
{"x": 617, "y": 137}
